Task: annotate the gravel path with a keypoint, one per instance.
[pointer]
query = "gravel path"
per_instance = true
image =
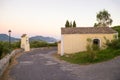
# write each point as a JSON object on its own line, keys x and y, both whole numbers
{"x": 39, "y": 64}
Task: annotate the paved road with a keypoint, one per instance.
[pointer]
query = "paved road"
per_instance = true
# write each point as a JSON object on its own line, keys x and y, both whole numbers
{"x": 39, "y": 64}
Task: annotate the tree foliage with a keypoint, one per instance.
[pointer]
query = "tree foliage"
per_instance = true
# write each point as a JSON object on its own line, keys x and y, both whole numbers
{"x": 117, "y": 28}
{"x": 67, "y": 24}
{"x": 74, "y": 24}
{"x": 70, "y": 24}
{"x": 103, "y": 19}
{"x": 114, "y": 44}
{"x": 15, "y": 45}
{"x": 4, "y": 47}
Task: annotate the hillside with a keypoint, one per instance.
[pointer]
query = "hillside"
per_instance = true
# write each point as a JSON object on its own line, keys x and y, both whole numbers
{"x": 5, "y": 37}
{"x": 41, "y": 38}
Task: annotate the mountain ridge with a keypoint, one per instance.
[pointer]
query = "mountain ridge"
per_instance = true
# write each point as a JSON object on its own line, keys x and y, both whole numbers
{"x": 42, "y": 38}
{"x": 5, "y": 37}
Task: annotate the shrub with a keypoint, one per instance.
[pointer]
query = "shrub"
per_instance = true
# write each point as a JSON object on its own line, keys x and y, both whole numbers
{"x": 114, "y": 44}
{"x": 4, "y": 48}
{"x": 117, "y": 28}
{"x": 15, "y": 45}
{"x": 91, "y": 50}
{"x": 95, "y": 47}
{"x": 37, "y": 44}
{"x": 52, "y": 44}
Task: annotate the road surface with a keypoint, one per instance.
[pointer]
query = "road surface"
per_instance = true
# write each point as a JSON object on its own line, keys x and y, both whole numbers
{"x": 40, "y": 64}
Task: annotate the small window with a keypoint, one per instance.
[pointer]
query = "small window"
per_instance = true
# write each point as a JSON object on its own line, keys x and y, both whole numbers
{"x": 96, "y": 42}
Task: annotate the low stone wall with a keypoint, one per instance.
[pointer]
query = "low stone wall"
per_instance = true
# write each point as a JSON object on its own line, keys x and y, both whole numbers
{"x": 5, "y": 61}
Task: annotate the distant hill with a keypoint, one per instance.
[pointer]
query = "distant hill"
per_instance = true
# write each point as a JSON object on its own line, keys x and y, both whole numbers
{"x": 42, "y": 38}
{"x": 5, "y": 37}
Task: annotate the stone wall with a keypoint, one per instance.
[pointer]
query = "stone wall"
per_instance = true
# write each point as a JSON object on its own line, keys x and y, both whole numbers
{"x": 4, "y": 62}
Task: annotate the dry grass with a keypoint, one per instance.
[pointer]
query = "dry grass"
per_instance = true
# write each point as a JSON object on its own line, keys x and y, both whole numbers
{"x": 13, "y": 62}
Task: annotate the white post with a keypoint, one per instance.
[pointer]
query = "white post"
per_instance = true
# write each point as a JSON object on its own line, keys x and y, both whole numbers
{"x": 62, "y": 45}
{"x": 25, "y": 42}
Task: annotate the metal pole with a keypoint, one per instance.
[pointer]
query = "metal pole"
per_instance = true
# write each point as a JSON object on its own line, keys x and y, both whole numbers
{"x": 9, "y": 39}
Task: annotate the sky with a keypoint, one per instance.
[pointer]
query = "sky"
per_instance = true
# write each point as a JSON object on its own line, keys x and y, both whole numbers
{"x": 46, "y": 17}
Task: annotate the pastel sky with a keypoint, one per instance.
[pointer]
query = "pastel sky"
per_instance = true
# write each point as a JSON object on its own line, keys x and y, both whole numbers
{"x": 46, "y": 17}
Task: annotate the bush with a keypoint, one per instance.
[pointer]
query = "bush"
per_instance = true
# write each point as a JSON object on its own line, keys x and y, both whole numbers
{"x": 114, "y": 44}
{"x": 91, "y": 50}
{"x": 4, "y": 48}
{"x": 37, "y": 44}
{"x": 15, "y": 45}
{"x": 52, "y": 44}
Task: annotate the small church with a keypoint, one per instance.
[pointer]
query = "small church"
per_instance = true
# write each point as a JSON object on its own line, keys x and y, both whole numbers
{"x": 74, "y": 39}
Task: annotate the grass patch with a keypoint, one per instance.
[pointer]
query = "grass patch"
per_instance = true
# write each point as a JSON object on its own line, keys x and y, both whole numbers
{"x": 83, "y": 58}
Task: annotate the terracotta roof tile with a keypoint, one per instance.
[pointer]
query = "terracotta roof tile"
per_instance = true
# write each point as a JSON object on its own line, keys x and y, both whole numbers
{"x": 88, "y": 30}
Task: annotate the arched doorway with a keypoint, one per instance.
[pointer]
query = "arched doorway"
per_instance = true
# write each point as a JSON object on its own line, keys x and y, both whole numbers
{"x": 96, "y": 42}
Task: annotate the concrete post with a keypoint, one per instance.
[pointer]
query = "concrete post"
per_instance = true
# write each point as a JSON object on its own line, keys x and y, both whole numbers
{"x": 25, "y": 42}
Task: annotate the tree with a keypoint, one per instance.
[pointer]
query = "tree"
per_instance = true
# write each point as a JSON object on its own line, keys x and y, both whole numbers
{"x": 70, "y": 25}
{"x": 67, "y": 24}
{"x": 104, "y": 19}
{"x": 74, "y": 24}
{"x": 117, "y": 28}
{"x": 95, "y": 25}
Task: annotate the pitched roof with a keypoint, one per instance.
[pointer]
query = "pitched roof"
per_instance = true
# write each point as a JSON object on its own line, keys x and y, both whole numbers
{"x": 88, "y": 30}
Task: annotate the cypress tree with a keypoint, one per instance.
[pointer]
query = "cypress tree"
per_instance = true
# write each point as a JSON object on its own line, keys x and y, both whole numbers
{"x": 74, "y": 24}
{"x": 70, "y": 25}
{"x": 67, "y": 24}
